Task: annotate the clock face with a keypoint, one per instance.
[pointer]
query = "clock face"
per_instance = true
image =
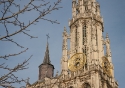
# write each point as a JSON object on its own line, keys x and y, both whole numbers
{"x": 106, "y": 66}
{"x": 76, "y": 62}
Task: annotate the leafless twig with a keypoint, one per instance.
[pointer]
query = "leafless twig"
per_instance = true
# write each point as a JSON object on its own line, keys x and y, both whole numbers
{"x": 12, "y": 17}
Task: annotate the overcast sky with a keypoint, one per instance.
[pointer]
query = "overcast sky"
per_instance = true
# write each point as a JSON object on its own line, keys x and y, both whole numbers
{"x": 113, "y": 14}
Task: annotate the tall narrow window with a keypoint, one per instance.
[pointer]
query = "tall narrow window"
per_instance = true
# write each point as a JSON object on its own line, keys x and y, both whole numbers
{"x": 76, "y": 37}
{"x": 96, "y": 37}
{"x": 85, "y": 50}
{"x": 84, "y": 34}
{"x": 84, "y": 41}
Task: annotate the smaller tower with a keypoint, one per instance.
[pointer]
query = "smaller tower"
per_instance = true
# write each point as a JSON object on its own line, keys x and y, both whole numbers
{"x": 46, "y": 69}
{"x": 64, "y": 60}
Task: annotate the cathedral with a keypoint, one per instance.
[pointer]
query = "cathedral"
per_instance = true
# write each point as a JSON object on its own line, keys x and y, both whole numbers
{"x": 88, "y": 61}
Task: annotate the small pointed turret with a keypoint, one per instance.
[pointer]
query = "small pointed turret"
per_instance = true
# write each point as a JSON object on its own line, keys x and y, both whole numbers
{"x": 65, "y": 29}
{"x": 107, "y": 36}
{"x": 46, "y": 69}
{"x": 107, "y": 42}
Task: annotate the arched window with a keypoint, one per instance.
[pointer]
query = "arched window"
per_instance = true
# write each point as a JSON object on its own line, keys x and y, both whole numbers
{"x": 84, "y": 33}
{"x": 84, "y": 36}
{"x": 86, "y": 85}
{"x": 96, "y": 37}
{"x": 85, "y": 50}
{"x": 76, "y": 36}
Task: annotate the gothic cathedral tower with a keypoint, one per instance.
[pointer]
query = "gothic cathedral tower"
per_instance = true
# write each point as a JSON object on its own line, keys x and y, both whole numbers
{"x": 86, "y": 59}
{"x": 87, "y": 64}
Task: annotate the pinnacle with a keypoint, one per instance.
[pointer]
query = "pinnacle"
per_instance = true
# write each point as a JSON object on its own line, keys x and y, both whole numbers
{"x": 65, "y": 29}
{"x": 107, "y": 35}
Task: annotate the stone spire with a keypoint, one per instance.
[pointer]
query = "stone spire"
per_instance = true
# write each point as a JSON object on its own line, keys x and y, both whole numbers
{"x": 64, "y": 60}
{"x": 46, "y": 69}
{"x": 46, "y": 57}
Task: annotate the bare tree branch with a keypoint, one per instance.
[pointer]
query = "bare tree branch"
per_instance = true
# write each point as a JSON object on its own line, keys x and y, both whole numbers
{"x": 41, "y": 15}
{"x": 12, "y": 17}
{"x": 10, "y": 75}
{"x": 6, "y": 56}
{"x": 29, "y": 35}
{"x": 11, "y": 40}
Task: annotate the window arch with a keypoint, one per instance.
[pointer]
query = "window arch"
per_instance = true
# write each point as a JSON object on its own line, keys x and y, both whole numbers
{"x": 86, "y": 85}
{"x": 84, "y": 38}
{"x": 76, "y": 32}
{"x": 84, "y": 34}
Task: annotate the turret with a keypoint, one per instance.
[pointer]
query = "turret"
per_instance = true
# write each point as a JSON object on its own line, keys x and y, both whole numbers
{"x": 46, "y": 69}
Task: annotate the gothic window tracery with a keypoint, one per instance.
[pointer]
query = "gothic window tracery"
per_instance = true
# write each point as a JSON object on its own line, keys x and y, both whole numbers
{"x": 84, "y": 34}
{"x": 85, "y": 50}
{"x": 84, "y": 41}
{"x": 76, "y": 36}
{"x": 96, "y": 37}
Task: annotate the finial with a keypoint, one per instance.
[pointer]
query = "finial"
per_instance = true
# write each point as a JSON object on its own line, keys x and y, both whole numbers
{"x": 65, "y": 29}
{"x": 107, "y": 35}
{"x": 27, "y": 81}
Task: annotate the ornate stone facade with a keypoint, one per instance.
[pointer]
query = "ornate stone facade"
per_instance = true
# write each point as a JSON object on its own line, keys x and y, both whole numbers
{"x": 86, "y": 28}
